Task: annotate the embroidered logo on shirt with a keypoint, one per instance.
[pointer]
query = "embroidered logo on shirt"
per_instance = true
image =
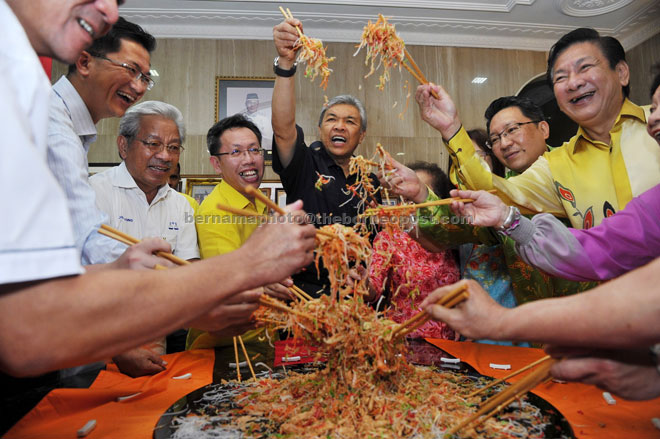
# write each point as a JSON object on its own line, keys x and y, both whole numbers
{"x": 173, "y": 225}
{"x": 123, "y": 218}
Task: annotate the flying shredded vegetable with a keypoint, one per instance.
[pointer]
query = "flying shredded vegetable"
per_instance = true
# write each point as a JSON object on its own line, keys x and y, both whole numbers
{"x": 313, "y": 54}
{"x": 384, "y": 47}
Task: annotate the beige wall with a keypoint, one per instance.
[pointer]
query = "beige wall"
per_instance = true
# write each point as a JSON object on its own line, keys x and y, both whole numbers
{"x": 188, "y": 69}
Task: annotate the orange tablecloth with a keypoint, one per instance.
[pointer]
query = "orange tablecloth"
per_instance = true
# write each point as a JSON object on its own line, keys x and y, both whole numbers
{"x": 583, "y": 405}
{"x": 63, "y": 411}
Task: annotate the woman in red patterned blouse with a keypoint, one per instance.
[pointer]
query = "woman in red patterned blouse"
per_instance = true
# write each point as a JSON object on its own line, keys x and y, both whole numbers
{"x": 409, "y": 272}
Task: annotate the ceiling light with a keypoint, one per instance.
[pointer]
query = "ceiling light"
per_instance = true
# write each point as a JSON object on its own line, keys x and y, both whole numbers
{"x": 479, "y": 80}
{"x": 153, "y": 72}
{"x": 400, "y": 153}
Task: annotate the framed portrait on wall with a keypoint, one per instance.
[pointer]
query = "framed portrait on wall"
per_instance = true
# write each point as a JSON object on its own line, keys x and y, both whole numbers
{"x": 281, "y": 198}
{"x": 251, "y": 97}
{"x": 199, "y": 188}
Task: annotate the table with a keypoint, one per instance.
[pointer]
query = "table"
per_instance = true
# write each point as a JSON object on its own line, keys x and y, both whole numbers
{"x": 63, "y": 411}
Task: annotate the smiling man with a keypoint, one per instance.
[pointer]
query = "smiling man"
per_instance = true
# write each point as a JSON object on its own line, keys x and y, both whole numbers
{"x": 234, "y": 144}
{"x": 598, "y": 171}
{"x": 341, "y": 128}
{"x": 104, "y": 82}
{"x": 517, "y": 131}
{"x": 135, "y": 194}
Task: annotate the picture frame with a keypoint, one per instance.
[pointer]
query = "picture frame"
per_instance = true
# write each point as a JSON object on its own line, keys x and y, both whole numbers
{"x": 280, "y": 197}
{"x": 199, "y": 188}
{"x": 95, "y": 168}
{"x": 250, "y": 96}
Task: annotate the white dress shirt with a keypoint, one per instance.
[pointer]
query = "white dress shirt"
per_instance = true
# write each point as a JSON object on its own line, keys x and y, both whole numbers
{"x": 71, "y": 131}
{"x": 37, "y": 239}
{"x": 169, "y": 216}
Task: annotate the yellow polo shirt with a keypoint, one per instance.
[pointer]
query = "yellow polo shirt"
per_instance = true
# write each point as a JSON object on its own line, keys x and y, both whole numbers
{"x": 583, "y": 180}
{"x": 220, "y": 232}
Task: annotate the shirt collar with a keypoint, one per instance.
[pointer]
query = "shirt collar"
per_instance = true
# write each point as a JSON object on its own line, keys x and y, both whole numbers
{"x": 123, "y": 179}
{"x": 628, "y": 111}
{"x": 83, "y": 125}
{"x": 237, "y": 199}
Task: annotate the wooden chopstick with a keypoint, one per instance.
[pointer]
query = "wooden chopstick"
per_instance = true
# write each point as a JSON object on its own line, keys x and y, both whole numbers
{"x": 511, "y": 375}
{"x": 302, "y": 292}
{"x": 290, "y": 17}
{"x": 418, "y": 72}
{"x": 128, "y": 243}
{"x": 444, "y": 201}
{"x": 449, "y": 300}
{"x": 502, "y": 399}
{"x": 268, "y": 202}
{"x": 276, "y": 304}
{"x": 126, "y": 238}
{"x": 247, "y": 357}
{"x": 241, "y": 212}
{"x": 238, "y": 368}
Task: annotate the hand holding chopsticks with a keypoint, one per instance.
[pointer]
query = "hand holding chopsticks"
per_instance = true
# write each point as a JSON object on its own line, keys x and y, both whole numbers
{"x": 456, "y": 296}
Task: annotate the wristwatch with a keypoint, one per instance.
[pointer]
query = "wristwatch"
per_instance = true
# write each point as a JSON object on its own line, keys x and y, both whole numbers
{"x": 511, "y": 222}
{"x": 281, "y": 72}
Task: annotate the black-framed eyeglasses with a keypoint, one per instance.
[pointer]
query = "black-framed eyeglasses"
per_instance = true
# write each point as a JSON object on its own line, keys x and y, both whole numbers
{"x": 235, "y": 153}
{"x": 135, "y": 73}
{"x": 155, "y": 146}
{"x": 511, "y": 130}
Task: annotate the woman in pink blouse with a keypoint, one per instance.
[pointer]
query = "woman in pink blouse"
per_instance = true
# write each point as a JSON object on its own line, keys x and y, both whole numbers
{"x": 407, "y": 271}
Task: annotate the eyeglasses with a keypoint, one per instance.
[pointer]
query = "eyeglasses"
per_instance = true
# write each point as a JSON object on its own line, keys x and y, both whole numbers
{"x": 135, "y": 73}
{"x": 236, "y": 153}
{"x": 155, "y": 147}
{"x": 511, "y": 130}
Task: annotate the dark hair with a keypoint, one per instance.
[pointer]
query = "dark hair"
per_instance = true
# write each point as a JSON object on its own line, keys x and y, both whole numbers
{"x": 527, "y": 107}
{"x": 440, "y": 182}
{"x": 480, "y": 138}
{"x": 111, "y": 42}
{"x": 610, "y": 46}
{"x": 228, "y": 123}
{"x": 656, "y": 80}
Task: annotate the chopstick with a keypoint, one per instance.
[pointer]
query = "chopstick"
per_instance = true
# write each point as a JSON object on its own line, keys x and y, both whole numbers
{"x": 290, "y": 17}
{"x": 129, "y": 240}
{"x": 300, "y": 294}
{"x": 247, "y": 357}
{"x": 241, "y": 212}
{"x": 238, "y": 368}
{"x": 276, "y": 304}
{"x": 511, "y": 375}
{"x": 504, "y": 398}
{"x": 450, "y": 300}
{"x": 251, "y": 190}
{"x": 377, "y": 210}
{"x": 416, "y": 71}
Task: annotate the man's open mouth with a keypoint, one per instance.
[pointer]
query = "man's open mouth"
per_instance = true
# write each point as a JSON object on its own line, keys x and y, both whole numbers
{"x": 582, "y": 97}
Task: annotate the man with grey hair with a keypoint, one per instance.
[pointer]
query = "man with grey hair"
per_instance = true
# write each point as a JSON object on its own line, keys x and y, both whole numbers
{"x": 138, "y": 200}
{"x": 342, "y": 127}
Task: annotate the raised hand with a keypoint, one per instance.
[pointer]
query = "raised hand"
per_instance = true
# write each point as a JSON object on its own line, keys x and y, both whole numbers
{"x": 440, "y": 113}
{"x": 285, "y": 36}
{"x": 403, "y": 181}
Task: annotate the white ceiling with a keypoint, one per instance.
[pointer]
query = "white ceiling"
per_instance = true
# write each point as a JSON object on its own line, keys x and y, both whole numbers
{"x": 511, "y": 24}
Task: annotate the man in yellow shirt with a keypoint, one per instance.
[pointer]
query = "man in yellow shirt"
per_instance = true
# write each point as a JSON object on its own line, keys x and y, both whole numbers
{"x": 234, "y": 144}
{"x": 597, "y": 172}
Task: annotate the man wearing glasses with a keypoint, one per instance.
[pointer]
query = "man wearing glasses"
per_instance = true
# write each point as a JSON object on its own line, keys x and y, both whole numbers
{"x": 138, "y": 200}
{"x": 598, "y": 171}
{"x": 104, "y": 82}
{"x": 234, "y": 144}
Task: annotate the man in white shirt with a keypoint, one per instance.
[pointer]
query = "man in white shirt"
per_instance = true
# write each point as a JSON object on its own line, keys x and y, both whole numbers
{"x": 104, "y": 82}
{"x": 51, "y": 316}
{"x": 135, "y": 194}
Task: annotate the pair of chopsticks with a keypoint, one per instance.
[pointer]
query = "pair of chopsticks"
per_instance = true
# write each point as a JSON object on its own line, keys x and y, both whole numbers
{"x": 377, "y": 210}
{"x": 247, "y": 358}
{"x": 127, "y": 239}
{"x": 251, "y": 190}
{"x": 289, "y": 16}
{"x": 416, "y": 71}
{"x": 450, "y": 300}
{"x": 498, "y": 402}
